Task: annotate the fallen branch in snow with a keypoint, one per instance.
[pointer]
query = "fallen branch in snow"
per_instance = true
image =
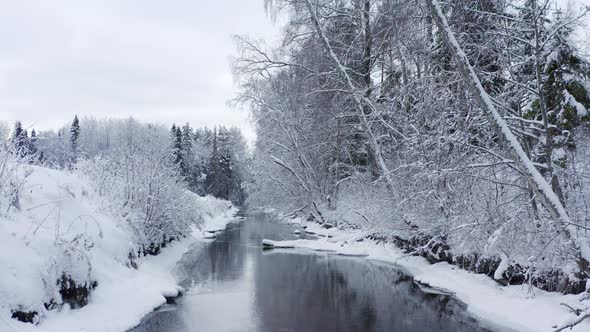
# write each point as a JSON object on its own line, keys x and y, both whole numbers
{"x": 576, "y": 311}
{"x": 293, "y": 213}
{"x": 573, "y": 323}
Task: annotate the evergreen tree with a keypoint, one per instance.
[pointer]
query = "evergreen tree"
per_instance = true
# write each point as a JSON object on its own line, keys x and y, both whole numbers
{"x": 17, "y": 133}
{"x": 33, "y": 149}
{"x": 177, "y": 156}
{"x": 173, "y": 132}
{"x": 213, "y": 169}
{"x": 219, "y": 176}
{"x": 26, "y": 143}
{"x": 566, "y": 88}
{"x": 187, "y": 150}
{"x": 562, "y": 98}
{"x": 74, "y": 137}
{"x": 19, "y": 139}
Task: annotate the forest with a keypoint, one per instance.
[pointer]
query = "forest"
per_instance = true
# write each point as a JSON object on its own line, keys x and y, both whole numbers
{"x": 456, "y": 129}
{"x": 203, "y": 160}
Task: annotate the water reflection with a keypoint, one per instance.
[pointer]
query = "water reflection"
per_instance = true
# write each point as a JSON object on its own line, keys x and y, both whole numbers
{"x": 235, "y": 286}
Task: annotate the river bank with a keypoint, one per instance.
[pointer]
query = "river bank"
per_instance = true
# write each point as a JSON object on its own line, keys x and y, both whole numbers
{"x": 60, "y": 228}
{"x": 518, "y": 308}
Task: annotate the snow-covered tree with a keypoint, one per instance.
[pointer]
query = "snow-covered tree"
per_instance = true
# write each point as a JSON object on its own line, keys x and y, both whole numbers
{"x": 74, "y": 137}
{"x": 368, "y": 112}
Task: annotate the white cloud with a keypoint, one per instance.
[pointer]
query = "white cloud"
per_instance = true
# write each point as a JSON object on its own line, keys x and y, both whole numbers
{"x": 154, "y": 60}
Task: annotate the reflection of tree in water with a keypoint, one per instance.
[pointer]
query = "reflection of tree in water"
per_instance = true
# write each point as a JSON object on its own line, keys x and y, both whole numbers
{"x": 315, "y": 293}
{"x": 219, "y": 260}
{"x": 162, "y": 321}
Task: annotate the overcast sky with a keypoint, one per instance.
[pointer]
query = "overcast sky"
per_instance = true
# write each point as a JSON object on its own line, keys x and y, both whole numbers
{"x": 159, "y": 61}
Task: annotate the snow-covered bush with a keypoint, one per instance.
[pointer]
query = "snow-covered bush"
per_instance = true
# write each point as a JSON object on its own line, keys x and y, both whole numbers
{"x": 139, "y": 183}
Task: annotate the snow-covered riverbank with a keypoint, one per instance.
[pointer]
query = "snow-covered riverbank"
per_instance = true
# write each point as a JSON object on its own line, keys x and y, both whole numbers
{"x": 513, "y": 308}
{"x": 61, "y": 228}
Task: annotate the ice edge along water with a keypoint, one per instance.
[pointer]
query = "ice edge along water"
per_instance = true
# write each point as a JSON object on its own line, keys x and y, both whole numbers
{"x": 124, "y": 295}
{"x": 511, "y": 308}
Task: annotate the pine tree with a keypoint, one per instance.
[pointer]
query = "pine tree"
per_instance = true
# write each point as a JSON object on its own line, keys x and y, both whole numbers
{"x": 173, "y": 132}
{"x": 218, "y": 178}
{"x": 19, "y": 139}
{"x": 560, "y": 77}
{"x": 566, "y": 89}
{"x": 33, "y": 149}
{"x": 26, "y": 147}
{"x": 17, "y": 133}
{"x": 187, "y": 150}
{"x": 177, "y": 156}
{"x": 74, "y": 136}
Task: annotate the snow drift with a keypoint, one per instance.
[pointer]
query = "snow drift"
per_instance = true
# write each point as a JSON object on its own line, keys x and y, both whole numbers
{"x": 61, "y": 249}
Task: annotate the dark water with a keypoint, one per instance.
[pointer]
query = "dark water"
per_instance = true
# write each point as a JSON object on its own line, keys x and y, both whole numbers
{"x": 236, "y": 286}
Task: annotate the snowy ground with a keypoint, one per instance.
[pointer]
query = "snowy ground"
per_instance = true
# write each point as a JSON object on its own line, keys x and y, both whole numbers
{"x": 512, "y": 308}
{"x": 57, "y": 207}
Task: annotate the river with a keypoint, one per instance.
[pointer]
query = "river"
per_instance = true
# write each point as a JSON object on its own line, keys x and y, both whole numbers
{"x": 233, "y": 285}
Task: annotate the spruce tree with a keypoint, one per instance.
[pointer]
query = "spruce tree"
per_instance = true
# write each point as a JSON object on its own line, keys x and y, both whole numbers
{"x": 17, "y": 133}
{"x": 566, "y": 88}
{"x": 19, "y": 139}
{"x": 33, "y": 149}
{"x": 177, "y": 156}
{"x": 74, "y": 136}
{"x": 213, "y": 183}
{"x": 219, "y": 178}
{"x": 563, "y": 94}
{"x": 192, "y": 173}
{"x": 173, "y": 133}
{"x": 187, "y": 149}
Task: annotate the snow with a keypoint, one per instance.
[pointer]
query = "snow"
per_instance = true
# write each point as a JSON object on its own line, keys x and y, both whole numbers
{"x": 56, "y": 208}
{"x": 559, "y": 154}
{"x": 553, "y": 204}
{"x": 570, "y": 100}
{"x": 499, "y": 273}
{"x": 520, "y": 308}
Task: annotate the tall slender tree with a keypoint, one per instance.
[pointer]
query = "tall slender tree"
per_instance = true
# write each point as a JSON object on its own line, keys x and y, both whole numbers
{"x": 74, "y": 138}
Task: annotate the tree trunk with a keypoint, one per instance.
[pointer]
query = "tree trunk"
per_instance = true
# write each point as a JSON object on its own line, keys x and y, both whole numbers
{"x": 359, "y": 99}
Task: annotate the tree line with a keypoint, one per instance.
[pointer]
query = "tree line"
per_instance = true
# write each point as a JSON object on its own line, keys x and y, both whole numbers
{"x": 209, "y": 160}
{"x": 143, "y": 173}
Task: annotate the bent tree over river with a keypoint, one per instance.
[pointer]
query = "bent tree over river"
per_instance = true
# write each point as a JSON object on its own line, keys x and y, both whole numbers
{"x": 234, "y": 285}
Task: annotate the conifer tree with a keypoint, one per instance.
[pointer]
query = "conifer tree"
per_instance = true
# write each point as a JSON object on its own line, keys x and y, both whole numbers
{"x": 187, "y": 150}
{"x": 74, "y": 137}
{"x": 219, "y": 176}
{"x": 213, "y": 169}
{"x": 33, "y": 149}
{"x": 19, "y": 139}
{"x": 177, "y": 156}
{"x": 566, "y": 88}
